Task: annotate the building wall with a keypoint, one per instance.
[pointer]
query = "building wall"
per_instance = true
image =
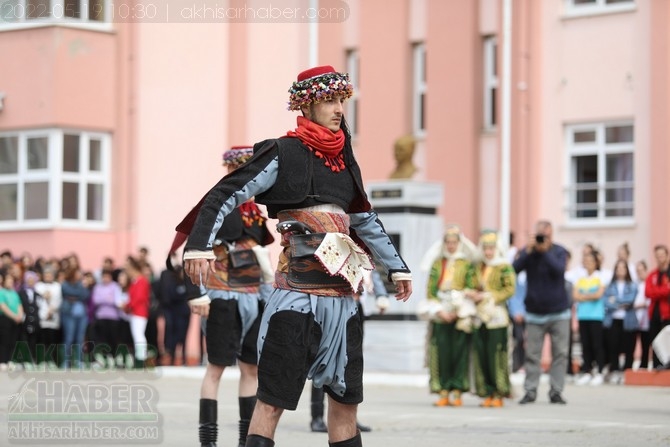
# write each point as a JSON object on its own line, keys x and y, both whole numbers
{"x": 66, "y": 78}
{"x": 198, "y": 106}
{"x": 587, "y": 79}
{"x": 526, "y": 114}
{"x": 385, "y": 71}
{"x": 454, "y": 78}
{"x": 71, "y": 78}
{"x": 659, "y": 116}
{"x": 180, "y": 125}
{"x": 175, "y": 96}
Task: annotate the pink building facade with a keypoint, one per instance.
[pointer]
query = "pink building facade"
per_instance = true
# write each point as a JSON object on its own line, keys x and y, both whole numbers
{"x": 112, "y": 128}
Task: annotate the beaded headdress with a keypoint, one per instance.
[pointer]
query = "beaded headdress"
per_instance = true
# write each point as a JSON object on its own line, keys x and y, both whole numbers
{"x": 237, "y": 155}
{"x": 318, "y": 84}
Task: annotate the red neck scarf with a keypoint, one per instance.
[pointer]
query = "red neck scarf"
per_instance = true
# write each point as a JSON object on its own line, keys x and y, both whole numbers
{"x": 325, "y": 143}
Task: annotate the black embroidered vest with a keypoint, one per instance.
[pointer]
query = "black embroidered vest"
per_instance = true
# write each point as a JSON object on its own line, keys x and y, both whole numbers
{"x": 233, "y": 229}
{"x": 304, "y": 180}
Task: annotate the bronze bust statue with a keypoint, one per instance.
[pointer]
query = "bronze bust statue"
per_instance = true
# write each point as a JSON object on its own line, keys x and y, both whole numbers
{"x": 403, "y": 150}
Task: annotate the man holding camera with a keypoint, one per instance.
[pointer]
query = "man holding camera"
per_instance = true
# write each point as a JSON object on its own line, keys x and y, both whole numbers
{"x": 547, "y": 311}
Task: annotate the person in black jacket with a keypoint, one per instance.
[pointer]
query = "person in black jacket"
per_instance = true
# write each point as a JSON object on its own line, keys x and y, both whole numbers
{"x": 30, "y": 328}
{"x": 173, "y": 297}
{"x": 547, "y": 311}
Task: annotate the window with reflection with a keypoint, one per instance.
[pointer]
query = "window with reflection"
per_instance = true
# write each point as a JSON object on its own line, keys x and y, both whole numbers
{"x": 601, "y": 171}
{"x": 53, "y": 177}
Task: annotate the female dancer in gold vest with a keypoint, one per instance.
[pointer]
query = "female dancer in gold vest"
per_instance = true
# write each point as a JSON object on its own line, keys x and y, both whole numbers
{"x": 495, "y": 283}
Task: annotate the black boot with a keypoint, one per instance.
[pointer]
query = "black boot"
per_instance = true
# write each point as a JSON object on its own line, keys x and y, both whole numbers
{"x": 353, "y": 442}
{"x": 317, "y": 424}
{"x": 247, "y": 405}
{"x": 208, "y": 427}
{"x": 259, "y": 441}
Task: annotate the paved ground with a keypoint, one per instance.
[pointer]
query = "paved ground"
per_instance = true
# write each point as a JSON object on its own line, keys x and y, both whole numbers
{"x": 397, "y": 406}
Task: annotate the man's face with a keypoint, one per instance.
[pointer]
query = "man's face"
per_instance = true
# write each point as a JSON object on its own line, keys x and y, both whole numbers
{"x": 327, "y": 113}
{"x": 546, "y": 231}
{"x": 661, "y": 256}
{"x": 542, "y": 237}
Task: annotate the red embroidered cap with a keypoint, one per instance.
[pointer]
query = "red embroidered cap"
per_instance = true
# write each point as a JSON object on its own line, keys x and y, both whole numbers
{"x": 316, "y": 71}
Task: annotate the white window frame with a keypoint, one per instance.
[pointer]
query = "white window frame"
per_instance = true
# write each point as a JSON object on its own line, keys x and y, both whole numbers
{"x": 573, "y": 9}
{"x": 600, "y": 149}
{"x": 353, "y": 104}
{"x": 55, "y": 177}
{"x": 56, "y": 17}
{"x": 490, "y": 81}
{"x": 419, "y": 88}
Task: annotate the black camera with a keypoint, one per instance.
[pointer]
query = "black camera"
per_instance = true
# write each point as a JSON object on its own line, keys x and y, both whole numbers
{"x": 539, "y": 238}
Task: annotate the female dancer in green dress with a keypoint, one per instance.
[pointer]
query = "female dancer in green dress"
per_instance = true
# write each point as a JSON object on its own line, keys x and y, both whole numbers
{"x": 450, "y": 314}
{"x": 495, "y": 283}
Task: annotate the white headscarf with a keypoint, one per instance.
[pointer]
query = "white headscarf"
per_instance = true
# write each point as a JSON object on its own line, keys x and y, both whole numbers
{"x": 465, "y": 250}
{"x": 488, "y": 237}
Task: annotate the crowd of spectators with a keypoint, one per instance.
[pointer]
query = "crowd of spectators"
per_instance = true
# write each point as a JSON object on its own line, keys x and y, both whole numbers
{"x": 55, "y": 314}
{"x": 616, "y": 313}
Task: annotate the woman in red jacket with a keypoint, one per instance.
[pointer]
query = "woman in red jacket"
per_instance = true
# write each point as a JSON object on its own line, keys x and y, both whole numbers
{"x": 139, "y": 295}
{"x": 657, "y": 289}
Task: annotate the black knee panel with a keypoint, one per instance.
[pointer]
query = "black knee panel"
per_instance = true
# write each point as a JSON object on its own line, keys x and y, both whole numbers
{"x": 259, "y": 441}
{"x": 352, "y": 442}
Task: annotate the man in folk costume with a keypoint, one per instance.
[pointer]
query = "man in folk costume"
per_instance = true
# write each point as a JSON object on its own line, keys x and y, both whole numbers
{"x": 310, "y": 181}
{"x": 495, "y": 282}
{"x": 232, "y": 306}
{"x": 451, "y": 315}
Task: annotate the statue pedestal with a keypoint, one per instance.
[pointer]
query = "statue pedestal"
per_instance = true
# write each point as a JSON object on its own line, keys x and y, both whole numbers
{"x": 408, "y": 210}
{"x": 395, "y": 340}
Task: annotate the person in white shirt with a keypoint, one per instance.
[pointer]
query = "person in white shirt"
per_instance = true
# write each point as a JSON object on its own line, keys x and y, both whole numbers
{"x": 49, "y": 312}
{"x": 623, "y": 253}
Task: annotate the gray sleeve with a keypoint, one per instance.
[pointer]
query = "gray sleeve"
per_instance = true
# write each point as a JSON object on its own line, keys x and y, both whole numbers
{"x": 261, "y": 183}
{"x": 370, "y": 230}
{"x": 378, "y": 287}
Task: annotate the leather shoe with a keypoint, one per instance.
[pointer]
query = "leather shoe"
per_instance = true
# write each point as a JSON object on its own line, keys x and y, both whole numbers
{"x": 528, "y": 398}
{"x": 318, "y": 425}
{"x": 556, "y": 398}
{"x": 363, "y": 428}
